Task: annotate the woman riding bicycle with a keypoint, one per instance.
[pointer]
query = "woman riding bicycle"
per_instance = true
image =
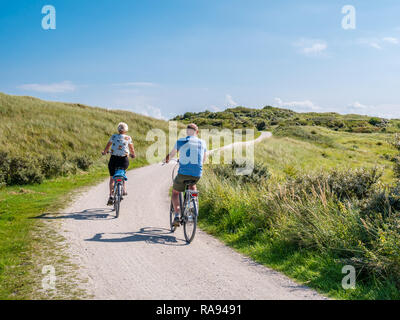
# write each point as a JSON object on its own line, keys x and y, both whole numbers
{"x": 121, "y": 148}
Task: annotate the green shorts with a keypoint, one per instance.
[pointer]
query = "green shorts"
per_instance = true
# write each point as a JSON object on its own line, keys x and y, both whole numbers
{"x": 179, "y": 181}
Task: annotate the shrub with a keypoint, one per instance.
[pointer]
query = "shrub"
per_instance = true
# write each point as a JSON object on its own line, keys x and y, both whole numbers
{"x": 319, "y": 212}
{"x": 352, "y": 183}
{"x": 261, "y": 126}
{"x": 374, "y": 121}
{"x": 4, "y": 167}
{"x": 83, "y": 162}
{"x": 68, "y": 168}
{"x": 384, "y": 202}
{"x": 234, "y": 172}
{"x": 395, "y": 142}
{"x": 24, "y": 171}
{"x": 51, "y": 166}
{"x": 396, "y": 167}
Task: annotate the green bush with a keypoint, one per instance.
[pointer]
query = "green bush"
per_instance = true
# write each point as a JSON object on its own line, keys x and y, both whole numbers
{"x": 4, "y": 167}
{"x": 68, "y": 168}
{"x": 374, "y": 121}
{"x": 51, "y": 166}
{"x": 24, "y": 171}
{"x": 352, "y": 183}
{"x": 384, "y": 202}
{"x": 234, "y": 173}
{"x": 83, "y": 162}
{"x": 339, "y": 213}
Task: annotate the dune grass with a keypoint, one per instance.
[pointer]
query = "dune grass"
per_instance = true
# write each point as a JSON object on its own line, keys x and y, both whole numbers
{"x": 287, "y": 154}
{"x": 310, "y": 235}
{"x": 31, "y": 128}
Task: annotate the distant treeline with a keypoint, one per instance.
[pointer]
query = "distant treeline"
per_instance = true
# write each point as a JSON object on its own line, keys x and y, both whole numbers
{"x": 262, "y": 119}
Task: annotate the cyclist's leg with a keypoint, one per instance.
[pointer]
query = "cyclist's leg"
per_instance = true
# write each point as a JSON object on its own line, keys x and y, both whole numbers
{"x": 111, "y": 186}
{"x": 124, "y": 188}
{"x": 178, "y": 187}
{"x": 125, "y": 165}
{"x": 194, "y": 186}
{"x": 111, "y": 169}
{"x": 175, "y": 201}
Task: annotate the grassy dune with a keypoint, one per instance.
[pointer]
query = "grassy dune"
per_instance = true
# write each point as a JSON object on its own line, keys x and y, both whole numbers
{"x": 33, "y": 127}
{"x": 295, "y": 150}
{"x": 313, "y": 205}
{"x": 29, "y": 129}
{"x": 305, "y": 211}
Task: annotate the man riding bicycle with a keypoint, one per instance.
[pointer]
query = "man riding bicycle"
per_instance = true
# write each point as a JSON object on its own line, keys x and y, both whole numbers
{"x": 192, "y": 155}
{"x": 121, "y": 147}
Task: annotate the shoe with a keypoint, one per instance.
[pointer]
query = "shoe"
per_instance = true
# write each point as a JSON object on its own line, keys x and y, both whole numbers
{"x": 110, "y": 201}
{"x": 125, "y": 193}
{"x": 177, "y": 220}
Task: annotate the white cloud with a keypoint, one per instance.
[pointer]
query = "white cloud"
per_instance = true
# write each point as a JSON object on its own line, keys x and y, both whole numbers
{"x": 149, "y": 111}
{"x": 155, "y": 112}
{"x": 305, "y": 105}
{"x": 135, "y": 84}
{"x": 380, "y": 110}
{"x": 61, "y": 87}
{"x": 357, "y": 105}
{"x": 311, "y": 47}
{"x": 373, "y": 43}
{"x": 215, "y": 108}
{"x": 141, "y": 104}
{"x": 378, "y": 43}
{"x": 230, "y": 101}
{"x": 391, "y": 40}
{"x": 315, "y": 48}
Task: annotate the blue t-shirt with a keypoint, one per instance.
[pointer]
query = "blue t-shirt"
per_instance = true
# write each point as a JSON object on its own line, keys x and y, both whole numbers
{"x": 191, "y": 155}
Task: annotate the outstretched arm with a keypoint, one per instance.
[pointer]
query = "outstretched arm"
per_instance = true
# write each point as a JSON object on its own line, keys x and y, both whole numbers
{"x": 132, "y": 151}
{"x": 107, "y": 148}
{"x": 205, "y": 157}
{"x": 170, "y": 155}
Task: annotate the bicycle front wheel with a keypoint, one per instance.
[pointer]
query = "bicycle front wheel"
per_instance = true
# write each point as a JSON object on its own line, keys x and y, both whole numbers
{"x": 171, "y": 218}
{"x": 190, "y": 221}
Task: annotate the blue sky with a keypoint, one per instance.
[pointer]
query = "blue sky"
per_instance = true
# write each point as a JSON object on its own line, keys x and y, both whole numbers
{"x": 166, "y": 57}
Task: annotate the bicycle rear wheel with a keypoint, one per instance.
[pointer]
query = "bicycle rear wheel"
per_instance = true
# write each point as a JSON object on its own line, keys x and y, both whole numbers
{"x": 190, "y": 221}
{"x": 117, "y": 201}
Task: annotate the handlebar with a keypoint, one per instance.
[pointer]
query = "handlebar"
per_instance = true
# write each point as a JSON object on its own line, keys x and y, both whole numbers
{"x": 163, "y": 163}
{"x": 130, "y": 155}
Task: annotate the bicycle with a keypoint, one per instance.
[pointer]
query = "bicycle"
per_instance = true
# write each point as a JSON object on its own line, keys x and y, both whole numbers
{"x": 188, "y": 201}
{"x": 119, "y": 177}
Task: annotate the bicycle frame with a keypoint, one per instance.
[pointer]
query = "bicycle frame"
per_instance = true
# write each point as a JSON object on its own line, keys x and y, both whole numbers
{"x": 189, "y": 195}
{"x": 119, "y": 179}
{"x": 189, "y": 206}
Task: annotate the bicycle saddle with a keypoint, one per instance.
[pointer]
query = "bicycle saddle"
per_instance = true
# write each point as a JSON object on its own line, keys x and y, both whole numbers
{"x": 189, "y": 182}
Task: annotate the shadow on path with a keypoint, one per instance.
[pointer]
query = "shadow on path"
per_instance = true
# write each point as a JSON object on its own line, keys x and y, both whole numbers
{"x": 88, "y": 214}
{"x": 148, "y": 234}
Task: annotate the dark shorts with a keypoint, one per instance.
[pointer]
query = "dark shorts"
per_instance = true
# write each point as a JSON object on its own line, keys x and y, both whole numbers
{"x": 179, "y": 181}
{"x": 117, "y": 162}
